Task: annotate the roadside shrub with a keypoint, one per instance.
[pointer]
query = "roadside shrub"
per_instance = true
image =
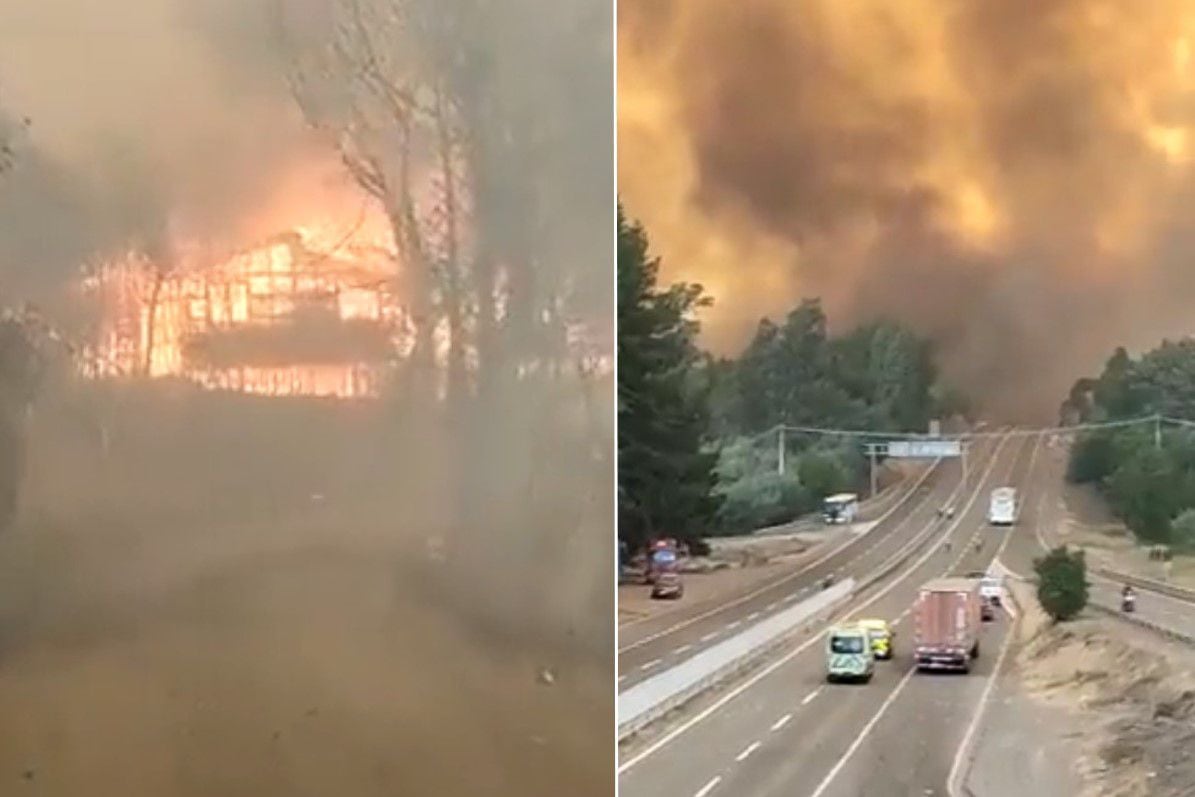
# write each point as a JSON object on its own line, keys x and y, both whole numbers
{"x": 1062, "y": 583}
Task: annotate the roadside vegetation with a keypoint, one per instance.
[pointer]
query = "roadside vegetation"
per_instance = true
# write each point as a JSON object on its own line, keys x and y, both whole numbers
{"x": 697, "y": 434}
{"x": 1062, "y": 587}
{"x": 1146, "y": 472}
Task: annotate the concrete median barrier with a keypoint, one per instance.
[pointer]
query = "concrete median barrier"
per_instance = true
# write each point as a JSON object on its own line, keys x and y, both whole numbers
{"x": 649, "y": 700}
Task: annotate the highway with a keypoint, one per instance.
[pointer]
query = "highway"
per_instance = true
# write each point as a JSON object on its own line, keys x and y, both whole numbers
{"x": 784, "y": 731}
{"x": 1156, "y": 608}
{"x": 647, "y": 647}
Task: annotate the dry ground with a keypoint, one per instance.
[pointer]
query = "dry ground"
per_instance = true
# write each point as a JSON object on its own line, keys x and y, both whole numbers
{"x": 1130, "y": 697}
{"x": 163, "y": 634}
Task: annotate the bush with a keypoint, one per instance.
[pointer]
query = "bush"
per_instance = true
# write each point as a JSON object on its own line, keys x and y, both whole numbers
{"x": 1062, "y": 583}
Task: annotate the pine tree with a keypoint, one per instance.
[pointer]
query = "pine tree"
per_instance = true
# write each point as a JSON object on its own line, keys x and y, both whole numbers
{"x": 665, "y": 471}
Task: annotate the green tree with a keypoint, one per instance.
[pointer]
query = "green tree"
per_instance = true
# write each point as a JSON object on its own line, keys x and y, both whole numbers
{"x": 665, "y": 470}
{"x": 1144, "y": 491}
{"x": 822, "y": 474}
{"x": 1093, "y": 458}
{"x": 1062, "y": 583}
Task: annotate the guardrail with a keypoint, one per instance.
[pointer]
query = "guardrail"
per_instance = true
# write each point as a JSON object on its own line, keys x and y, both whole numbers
{"x": 1174, "y": 591}
{"x": 651, "y": 699}
{"x": 655, "y": 697}
{"x": 1178, "y": 636}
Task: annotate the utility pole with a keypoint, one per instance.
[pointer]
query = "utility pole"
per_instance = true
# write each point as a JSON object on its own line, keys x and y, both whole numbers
{"x": 962, "y": 450}
{"x": 873, "y": 450}
{"x": 780, "y": 450}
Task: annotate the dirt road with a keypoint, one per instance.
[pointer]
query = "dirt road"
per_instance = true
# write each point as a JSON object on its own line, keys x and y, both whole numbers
{"x": 314, "y": 670}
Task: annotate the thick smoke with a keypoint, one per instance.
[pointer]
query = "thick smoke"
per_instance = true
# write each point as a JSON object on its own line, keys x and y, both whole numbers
{"x": 1010, "y": 177}
{"x": 150, "y": 121}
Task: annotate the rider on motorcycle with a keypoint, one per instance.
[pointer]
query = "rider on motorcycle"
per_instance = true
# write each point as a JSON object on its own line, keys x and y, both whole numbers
{"x": 1128, "y": 597}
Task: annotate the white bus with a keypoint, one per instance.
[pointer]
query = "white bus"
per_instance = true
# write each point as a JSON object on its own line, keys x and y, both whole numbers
{"x": 841, "y": 508}
{"x": 1002, "y": 511}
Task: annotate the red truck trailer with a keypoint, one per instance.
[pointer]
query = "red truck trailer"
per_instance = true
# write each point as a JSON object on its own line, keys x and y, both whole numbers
{"x": 946, "y": 622}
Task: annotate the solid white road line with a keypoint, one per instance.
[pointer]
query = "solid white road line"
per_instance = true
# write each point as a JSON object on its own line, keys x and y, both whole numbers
{"x": 748, "y": 750}
{"x": 717, "y": 705}
{"x": 826, "y": 781}
{"x": 708, "y": 787}
{"x": 954, "y": 782}
{"x": 786, "y": 577}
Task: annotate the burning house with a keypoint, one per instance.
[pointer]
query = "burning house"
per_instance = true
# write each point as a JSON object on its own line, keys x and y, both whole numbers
{"x": 289, "y": 316}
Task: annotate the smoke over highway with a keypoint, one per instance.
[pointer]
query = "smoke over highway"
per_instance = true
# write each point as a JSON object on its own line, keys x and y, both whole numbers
{"x": 1012, "y": 178}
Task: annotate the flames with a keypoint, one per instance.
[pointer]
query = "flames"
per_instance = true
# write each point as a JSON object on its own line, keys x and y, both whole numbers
{"x": 313, "y": 311}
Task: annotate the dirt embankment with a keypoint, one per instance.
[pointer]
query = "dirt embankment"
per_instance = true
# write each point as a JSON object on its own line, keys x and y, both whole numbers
{"x": 1134, "y": 694}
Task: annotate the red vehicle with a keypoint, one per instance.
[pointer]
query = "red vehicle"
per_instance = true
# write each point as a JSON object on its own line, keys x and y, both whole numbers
{"x": 946, "y": 622}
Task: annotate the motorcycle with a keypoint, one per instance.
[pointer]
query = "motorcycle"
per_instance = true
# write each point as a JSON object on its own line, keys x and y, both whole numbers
{"x": 1128, "y": 603}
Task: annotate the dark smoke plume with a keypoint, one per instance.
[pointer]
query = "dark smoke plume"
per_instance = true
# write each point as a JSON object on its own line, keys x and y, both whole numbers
{"x": 1010, "y": 177}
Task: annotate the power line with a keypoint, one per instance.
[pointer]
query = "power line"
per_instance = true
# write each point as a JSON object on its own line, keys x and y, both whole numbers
{"x": 826, "y": 431}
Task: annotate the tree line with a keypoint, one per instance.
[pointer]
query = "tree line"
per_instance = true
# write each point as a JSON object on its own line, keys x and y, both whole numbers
{"x": 1146, "y": 473}
{"x": 698, "y": 453}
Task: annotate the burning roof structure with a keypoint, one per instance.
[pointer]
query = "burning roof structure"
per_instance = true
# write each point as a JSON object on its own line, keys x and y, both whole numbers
{"x": 288, "y": 316}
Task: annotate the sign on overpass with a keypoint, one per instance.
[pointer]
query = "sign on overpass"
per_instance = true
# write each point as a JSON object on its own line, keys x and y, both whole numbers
{"x": 924, "y": 449}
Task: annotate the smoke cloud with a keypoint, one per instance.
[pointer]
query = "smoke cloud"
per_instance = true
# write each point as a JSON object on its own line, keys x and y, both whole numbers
{"x": 150, "y": 120}
{"x": 1012, "y": 178}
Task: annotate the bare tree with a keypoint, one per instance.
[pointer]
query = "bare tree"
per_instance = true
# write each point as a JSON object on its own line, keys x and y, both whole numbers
{"x": 357, "y": 74}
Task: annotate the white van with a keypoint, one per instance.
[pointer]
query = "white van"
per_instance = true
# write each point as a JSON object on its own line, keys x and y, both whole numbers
{"x": 1002, "y": 511}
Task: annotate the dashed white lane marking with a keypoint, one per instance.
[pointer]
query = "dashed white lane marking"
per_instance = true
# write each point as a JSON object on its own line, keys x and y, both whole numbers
{"x": 709, "y": 636}
{"x": 668, "y": 738}
{"x": 733, "y": 625}
{"x": 649, "y": 665}
{"x": 809, "y": 698}
{"x": 825, "y": 784}
{"x": 752, "y": 616}
{"x": 682, "y": 649}
{"x": 708, "y": 787}
{"x": 780, "y": 723}
{"x": 621, "y": 678}
{"x": 771, "y": 606}
{"x": 748, "y": 750}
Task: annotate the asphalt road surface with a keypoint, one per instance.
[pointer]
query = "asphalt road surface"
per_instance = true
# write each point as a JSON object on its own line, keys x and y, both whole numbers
{"x": 646, "y": 648}
{"x": 785, "y": 731}
{"x": 1049, "y": 511}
